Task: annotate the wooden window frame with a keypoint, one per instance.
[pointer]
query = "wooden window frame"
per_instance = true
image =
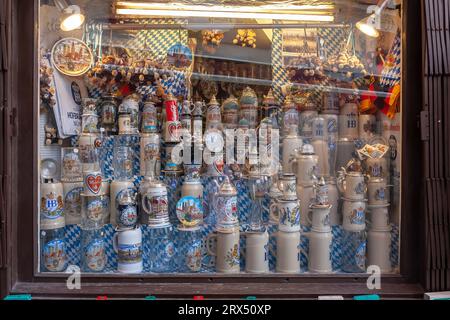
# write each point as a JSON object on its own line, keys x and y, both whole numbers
{"x": 22, "y": 214}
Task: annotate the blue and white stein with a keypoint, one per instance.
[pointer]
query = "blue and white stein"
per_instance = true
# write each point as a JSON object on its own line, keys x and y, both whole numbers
{"x": 354, "y": 215}
{"x": 53, "y": 250}
{"x": 128, "y": 246}
{"x": 93, "y": 250}
{"x": 354, "y": 246}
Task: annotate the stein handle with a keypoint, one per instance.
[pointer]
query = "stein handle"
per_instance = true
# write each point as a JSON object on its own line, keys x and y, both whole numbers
{"x": 340, "y": 183}
{"x": 293, "y": 162}
{"x": 146, "y": 205}
{"x": 115, "y": 241}
{"x": 209, "y": 239}
{"x": 308, "y": 217}
{"x": 274, "y": 208}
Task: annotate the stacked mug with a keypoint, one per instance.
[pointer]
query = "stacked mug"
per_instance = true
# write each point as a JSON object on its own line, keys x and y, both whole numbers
{"x": 320, "y": 238}
{"x": 224, "y": 243}
{"x": 379, "y": 234}
{"x": 52, "y": 220}
{"x": 288, "y": 235}
{"x": 353, "y": 187}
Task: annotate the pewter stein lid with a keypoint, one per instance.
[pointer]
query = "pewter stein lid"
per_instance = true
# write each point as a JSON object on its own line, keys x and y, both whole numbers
{"x": 49, "y": 168}
{"x": 269, "y": 99}
{"x": 213, "y": 101}
{"x": 227, "y": 188}
{"x": 307, "y": 149}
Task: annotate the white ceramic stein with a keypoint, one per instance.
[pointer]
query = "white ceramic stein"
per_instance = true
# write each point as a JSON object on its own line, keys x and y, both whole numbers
{"x": 379, "y": 250}
{"x": 288, "y": 215}
{"x": 288, "y": 186}
{"x": 305, "y": 165}
{"x": 288, "y": 252}
{"x": 354, "y": 215}
{"x": 348, "y": 121}
{"x": 367, "y": 127}
{"x": 52, "y": 206}
{"x": 256, "y": 252}
{"x": 319, "y": 256}
{"x": 379, "y": 218}
{"x": 352, "y": 185}
{"x": 377, "y": 167}
{"x": 333, "y": 198}
{"x": 377, "y": 191}
{"x": 291, "y": 144}
{"x": 128, "y": 245}
{"x": 226, "y": 250}
{"x": 319, "y": 218}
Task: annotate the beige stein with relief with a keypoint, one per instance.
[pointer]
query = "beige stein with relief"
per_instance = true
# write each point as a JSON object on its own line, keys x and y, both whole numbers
{"x": 226, "y": 250}
{"x": 319, "y": 257}
{"x": 379, "y": 250}
{"x": 288, "y": 252}
{"x": 257, "y": 252}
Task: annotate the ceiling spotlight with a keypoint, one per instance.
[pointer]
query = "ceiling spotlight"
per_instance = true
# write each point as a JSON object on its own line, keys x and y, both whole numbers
{"x": 370, "y": 25}
{"x": 72, "y": 16}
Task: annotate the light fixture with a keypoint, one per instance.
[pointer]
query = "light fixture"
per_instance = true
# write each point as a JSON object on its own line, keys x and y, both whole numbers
{"x": 372, "y": 24}
{"x": 72, "y": 17}
{"x": 318, "y": 13}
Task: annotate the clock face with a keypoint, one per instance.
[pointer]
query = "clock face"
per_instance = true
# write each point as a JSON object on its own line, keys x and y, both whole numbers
{"x": 214, "y": 141}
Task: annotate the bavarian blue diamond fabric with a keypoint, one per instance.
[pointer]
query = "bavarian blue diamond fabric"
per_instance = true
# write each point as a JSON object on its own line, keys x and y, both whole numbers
{"x": 390, "y": 75}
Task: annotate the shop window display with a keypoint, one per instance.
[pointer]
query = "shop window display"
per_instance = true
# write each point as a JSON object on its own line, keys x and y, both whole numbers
{"x": 220, "y": 138}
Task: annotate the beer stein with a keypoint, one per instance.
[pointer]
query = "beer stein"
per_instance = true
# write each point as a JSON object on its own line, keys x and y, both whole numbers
{"x": 305, "y": 165}
{"x": 92, "y": 211}
{"x": 353, "y": 185}
{"x": 319, "y": 218}
{"x": 160, "y": 250}
{"x": 117, "y": 187}
{"x": 330, "y": 103}
{"x": 354, "y": 247}
{"x": 288, "y": 252}
{"x": 226, "y": 250}
{"x": 289, "y": 215}
{"x": 124, "y": 123}
{"x": 193, "y": 189}
{"x": 186, "y": 118}
{"x": 379, "y": 218}
{"x": 189, "y": 251}
{"x": 291, "y": 144}
{"x": 354, "y": 215}
{"x": 93, "y": 250}
{"x": 290, "y": 117}
{"x": 72, "y": 202}
{"x": 89, "y": 117}
{"x": 333, "y": 198}
{"x": 288, "y": 186}
{"x": 319, "y": 142}
{"x": 130, "y": 105}
{"x": 331, "y": 125}
{"x": 225, "y": 207}
{"x": 379, "y": 250}
{"x": 52, "y": 206}
{"x": 367, "y": 127}
{"x": 377, "y": 191}
{"x": 123, "y": 162}
{"x": 149, "y": 122}
{"x": 108, "y": 113}
{"x": 345, "y": 151}
{"x": 128, "y": 246}
{"x": 150, "y": 148}
{"x": 92, "y": 182}
{"x": 307, "y": 197}
{"x": 348, "y": 121}
{"x": 249, "y": 107}
{"x": 275, "y": 194}
{"x": 319, "y": 254}
{"x": 71, "y": 168}
{"x": 377, "y": 167}
{"x": 213, "y": 115}
{"x": 230, "y": 113}
{"x": 126, "y": 209}
{"x": 172, "y": 126}
{"x": 256, "y": 252}
{"x": 306, "y": 122}
{"x": 53, "y": 250}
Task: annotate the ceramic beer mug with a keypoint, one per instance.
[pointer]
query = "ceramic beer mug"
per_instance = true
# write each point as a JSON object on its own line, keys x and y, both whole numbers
{"x": 225, "y": 207}
{"x": 288, "y": 252}
{"x": 352, "y": 185}
{"x": 288, "y": 186}
{"x": 306, "y": 194}
{"x": 256, "y": 252}
{"x": 354, "y": 215}
{"x": 304, "y": 165}
{"x": 52, "y": 206}
{"x": 377, "y": 191}
{"x": 128, "y": 246}
{"x": 379, "y": 250}
{"x": 319, "y": 256}
{"x": 291, "y": 144}
{"x": 319, "y": 218}
{"x": 349, "y": 122}
{"x": 226, "y": 251}
{"x": 379, "y": 218}
{"x": 288, "y": 215}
